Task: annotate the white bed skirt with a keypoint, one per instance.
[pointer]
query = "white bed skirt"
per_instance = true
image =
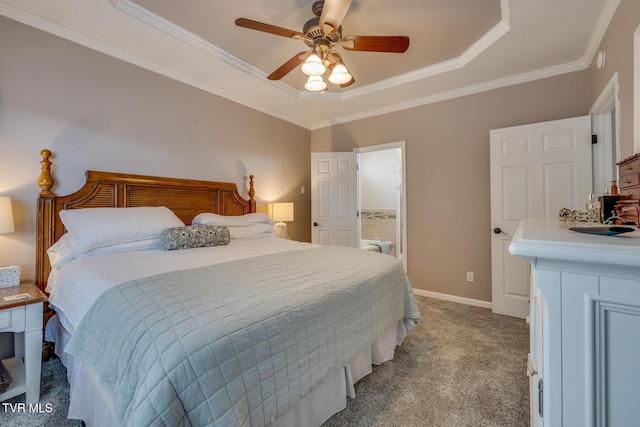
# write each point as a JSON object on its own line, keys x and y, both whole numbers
{"x": 90, "y": 403}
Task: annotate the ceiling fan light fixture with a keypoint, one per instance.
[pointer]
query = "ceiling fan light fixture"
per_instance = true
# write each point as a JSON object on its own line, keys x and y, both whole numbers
{"x": 340, "y": 75}
{"x": 321, "y": 34}
{"x": 313, "y": 66}
{"x": 315, "y": 84}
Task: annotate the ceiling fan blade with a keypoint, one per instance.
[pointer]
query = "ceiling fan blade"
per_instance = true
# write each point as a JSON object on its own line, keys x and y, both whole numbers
{"x": 333, "y": 12}
{"x": 392, "y": 44}
{"x": 288, "y": 66}
{"x": 268, "y": 28}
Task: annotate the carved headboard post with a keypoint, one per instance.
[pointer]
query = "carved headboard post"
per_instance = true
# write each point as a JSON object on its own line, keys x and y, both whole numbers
{"x": 45, "y": 181}
{"x": 44, "y": 235}
{"x": 252, "y": 193}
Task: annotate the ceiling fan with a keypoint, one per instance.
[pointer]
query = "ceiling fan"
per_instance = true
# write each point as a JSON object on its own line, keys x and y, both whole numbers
{"x": 321, "y": 34}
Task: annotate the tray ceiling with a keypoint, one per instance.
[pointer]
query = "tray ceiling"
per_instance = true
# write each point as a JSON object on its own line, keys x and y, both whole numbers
{"x": 457, "y": 47}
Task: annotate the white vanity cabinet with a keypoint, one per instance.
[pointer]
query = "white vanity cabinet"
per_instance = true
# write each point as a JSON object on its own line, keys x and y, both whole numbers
{"x": 584, "y": 362}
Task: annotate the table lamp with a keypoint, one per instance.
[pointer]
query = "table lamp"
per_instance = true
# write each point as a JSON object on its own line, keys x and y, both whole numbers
{"x": 282, "y": 212}
{"x": 6, "y": 216}
{"x": 9, "y": 276}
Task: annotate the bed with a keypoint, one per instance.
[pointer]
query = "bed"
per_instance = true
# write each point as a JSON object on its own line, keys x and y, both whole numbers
{"x": 156, "y": 328}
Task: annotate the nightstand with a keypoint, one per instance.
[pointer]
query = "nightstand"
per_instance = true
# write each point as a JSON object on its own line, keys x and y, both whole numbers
{"x": 24, "y": 319}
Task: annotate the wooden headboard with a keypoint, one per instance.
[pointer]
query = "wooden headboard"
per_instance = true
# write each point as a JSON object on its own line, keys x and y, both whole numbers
{"x": 185, "y": 197}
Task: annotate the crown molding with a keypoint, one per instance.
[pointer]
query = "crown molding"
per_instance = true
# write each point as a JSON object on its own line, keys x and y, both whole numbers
{"x": 600, "y": 29}
{"x": 457, "y": 93}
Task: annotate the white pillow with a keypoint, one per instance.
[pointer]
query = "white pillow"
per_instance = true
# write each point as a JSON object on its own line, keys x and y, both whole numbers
{"x": 232, "y": 220}
{"x": 122, "y": 247}
{"x": 251, "y": 231}
{"x": 93, "y": 228}
{"x": 248, "y": 226}
{"x": 64, "y": 250}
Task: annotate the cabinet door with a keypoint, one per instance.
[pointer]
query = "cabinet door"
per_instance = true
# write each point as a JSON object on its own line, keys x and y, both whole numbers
{"x": 549, "y": 336}
{"x": 577, "y": 349}
{"x": 616, "y": 347}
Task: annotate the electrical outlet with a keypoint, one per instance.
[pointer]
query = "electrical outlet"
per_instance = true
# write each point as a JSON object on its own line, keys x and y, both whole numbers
{"x": 469, "y": 276}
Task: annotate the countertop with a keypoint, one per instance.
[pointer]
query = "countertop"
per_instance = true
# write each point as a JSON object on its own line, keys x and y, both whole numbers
{"x": 36, "y": 295}
{"x": 552, "y": 239}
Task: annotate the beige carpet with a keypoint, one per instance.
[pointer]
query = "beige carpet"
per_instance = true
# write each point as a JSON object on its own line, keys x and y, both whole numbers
{"x": 461, "y": 366}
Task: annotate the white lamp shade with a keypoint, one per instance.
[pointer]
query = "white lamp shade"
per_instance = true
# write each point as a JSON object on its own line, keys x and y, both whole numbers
{"x": 315, "y": 84}
{"x": 340, "y": 75}
{"x": 6, "y": 216}
{"x": 313, "y": 66}
{"x": 282, "y": 212}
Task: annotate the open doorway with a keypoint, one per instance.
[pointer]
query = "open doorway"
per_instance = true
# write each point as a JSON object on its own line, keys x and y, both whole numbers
{"x": 382, "y": 198}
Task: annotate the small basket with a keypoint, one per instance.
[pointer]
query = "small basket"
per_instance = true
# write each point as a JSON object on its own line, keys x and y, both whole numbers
{"x": 5, "y": 378}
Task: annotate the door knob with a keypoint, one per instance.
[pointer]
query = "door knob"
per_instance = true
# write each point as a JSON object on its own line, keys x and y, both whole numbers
{"x": 315, "y": 224}
{"x": 498, "y": 230}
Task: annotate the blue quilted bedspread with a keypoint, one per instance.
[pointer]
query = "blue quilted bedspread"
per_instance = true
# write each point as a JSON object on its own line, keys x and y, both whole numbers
{"x": 238, "y": 343}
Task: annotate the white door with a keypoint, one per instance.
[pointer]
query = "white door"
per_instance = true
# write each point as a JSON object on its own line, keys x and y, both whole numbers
{"x": 536, "y": 170}
{"x": 334, "y": 201}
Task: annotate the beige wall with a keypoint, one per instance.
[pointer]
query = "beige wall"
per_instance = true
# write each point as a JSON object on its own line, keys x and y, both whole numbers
{"x": 618, "y": 46}
{"x": 96, "y": 112}
{"x": 447, "y": 150}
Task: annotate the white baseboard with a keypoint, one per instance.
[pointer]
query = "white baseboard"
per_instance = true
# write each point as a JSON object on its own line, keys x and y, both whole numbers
{"x": 453, "y": 298}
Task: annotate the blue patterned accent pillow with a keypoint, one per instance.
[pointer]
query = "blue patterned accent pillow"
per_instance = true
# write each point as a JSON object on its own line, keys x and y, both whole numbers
{"x": 194, "y": 236}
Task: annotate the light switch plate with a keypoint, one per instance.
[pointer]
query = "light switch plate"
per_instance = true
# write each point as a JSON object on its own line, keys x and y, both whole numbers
{"x": 9, "y": 276}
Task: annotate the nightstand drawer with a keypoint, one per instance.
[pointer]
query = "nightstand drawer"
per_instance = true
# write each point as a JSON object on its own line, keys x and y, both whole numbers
{"x": 12, "y": 319}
